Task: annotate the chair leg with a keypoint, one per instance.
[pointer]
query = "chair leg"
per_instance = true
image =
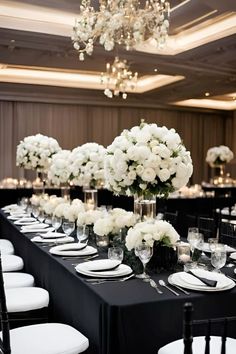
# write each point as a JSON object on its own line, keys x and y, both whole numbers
{"x": 187, "y": 330}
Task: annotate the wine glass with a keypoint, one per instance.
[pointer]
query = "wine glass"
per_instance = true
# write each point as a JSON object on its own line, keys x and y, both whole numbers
{"x": 116, "y": 253}
{"x": 56, "y": 222}
{"x": 144, "y": 253}
{"x": 68, "y": 227}
{"x": 35, "y": 211}
{"x": 41, "y": 216}
{"x": 218, "y": 257}
{"x": 192, "y": 238}
{"x": 82, "y": 233}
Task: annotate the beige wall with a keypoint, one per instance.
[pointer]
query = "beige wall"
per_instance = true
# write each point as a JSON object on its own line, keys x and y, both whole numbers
{"x": 73, "y": 125}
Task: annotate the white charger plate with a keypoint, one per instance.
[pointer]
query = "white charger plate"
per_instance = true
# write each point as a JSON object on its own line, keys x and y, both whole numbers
{"x": 84, "y": 268}
{"x": 62, "y": 250}
{"x": 39, "y": 239}
{"x": 187, "y": 281}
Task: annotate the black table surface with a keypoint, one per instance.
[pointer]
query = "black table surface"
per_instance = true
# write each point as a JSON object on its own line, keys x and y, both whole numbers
{"x": 118, "y": 318}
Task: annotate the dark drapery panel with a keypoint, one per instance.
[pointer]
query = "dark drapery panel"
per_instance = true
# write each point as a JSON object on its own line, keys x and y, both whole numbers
{"x": 73, "y": 125}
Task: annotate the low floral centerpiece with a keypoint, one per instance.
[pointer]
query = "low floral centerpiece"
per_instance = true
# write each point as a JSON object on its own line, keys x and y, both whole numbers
{"x": 158, "y": 234}
{"x": 147, "y": 161}
{"x": 35, "y": 152}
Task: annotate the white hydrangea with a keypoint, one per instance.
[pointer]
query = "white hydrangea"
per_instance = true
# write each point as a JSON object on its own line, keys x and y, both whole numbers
{"x": 219, "y": 155}
{"x": 158, "y": 230}
{"x": 87, "y": 165}
{"x": 59, "y": 171}
{"x": 89, "y": 217}
{"x": 147, "y": 159}
{"x": 69, "y": 210}
{"x": 35, "y": 152}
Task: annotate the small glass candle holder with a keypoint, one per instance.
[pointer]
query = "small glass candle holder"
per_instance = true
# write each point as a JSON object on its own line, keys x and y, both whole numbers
{"x": 102, "y": 241}
{"x": 183, "y": 253}
{"x": 90, "y": 198}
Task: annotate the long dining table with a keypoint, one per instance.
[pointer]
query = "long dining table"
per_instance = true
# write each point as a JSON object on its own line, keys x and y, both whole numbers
{"x": 117, "y": 317}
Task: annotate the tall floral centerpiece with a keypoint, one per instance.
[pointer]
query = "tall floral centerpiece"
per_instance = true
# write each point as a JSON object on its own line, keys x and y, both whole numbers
{"x": 87, "y": 170}
{"x": 161, "y": 236}
{"x": 59, "y": 172}
{"x": 219, "y": 156}
{"x": 35, "y": 152}
{"x": 147, "y": 161}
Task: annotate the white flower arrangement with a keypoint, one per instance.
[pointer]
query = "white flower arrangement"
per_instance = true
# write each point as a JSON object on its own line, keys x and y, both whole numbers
{"x": 69, "y": 211}
{"x": 147, "y": 160}
{"x": 219, "y": 155}
{"x": 87, "y": 165}
{"x": 59, "y": 171}
{"x": 50, "y": 205}
{"x": 159, "y": 230}
{"x": 35, "y": 152}
{"x": 113, "y": 221}
{"x": 89, "y": 217}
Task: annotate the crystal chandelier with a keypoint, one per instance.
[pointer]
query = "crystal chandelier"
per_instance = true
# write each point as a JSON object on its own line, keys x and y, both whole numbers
{"x": 118, "y": 78}
{"x": 122, "y": 22}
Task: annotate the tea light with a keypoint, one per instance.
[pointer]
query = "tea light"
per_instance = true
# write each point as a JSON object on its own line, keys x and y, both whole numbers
{"x": 184, "y": 253}
{"x": 90, "y": 205}
{"x": 102, "y": 241}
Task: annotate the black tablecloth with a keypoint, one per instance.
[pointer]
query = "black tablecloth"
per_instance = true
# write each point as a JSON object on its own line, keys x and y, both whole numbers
{"x": 118, "y": 318}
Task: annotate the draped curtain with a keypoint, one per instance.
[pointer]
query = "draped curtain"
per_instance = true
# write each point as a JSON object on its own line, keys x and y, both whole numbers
{"x": 73, "y": 125}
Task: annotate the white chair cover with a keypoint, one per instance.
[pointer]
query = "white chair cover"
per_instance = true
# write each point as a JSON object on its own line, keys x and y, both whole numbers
{"x": 17, "y": 280}
{"x": 177, "y": 347}
{"x": 11, "y": 263}
{"x": 26, "y": 299}
{"x": 6, "y": 247}
{"x": 47, "y": 338}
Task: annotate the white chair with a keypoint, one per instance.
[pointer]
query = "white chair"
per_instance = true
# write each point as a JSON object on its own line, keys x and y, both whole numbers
{"x": 17, "y": 280}
{"x": 26, "y": 299}
{"x": 6, "y": 247}
{"x": 11, "y": 263}
{"x": 203, "y": 344}
{"x": 46, "y": 338}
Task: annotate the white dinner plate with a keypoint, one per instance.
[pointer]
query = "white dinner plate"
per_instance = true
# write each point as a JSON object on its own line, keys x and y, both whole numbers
{"x": 26, "y": 221}
{"x": 17, "y": 217}
{"x": 26, "y": 231}
{"x": 62, "y": 250}
{"x": 39, "y": 239}
{"x": 84, "y": 268}
{"x": 34, "y": 226}
{"x": 52, "y": 234}
{"x": 233, "y": 256}
{"x": 205, "y": 248}
{"x": 188, "y": 281}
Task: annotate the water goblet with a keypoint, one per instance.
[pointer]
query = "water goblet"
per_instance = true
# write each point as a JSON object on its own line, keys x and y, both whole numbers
{"x": 68, "y": 227}
{"x": 144, "y": 253}
{"x": 116, "y": 253}
{"x": 35, "y": 211}
{"x": 192, "y": 237}
{"x": 218, "y": 257}
{"x": 82, "y": 233}
{"x": 212, "y": 243}
{"x": 56, "y": 222}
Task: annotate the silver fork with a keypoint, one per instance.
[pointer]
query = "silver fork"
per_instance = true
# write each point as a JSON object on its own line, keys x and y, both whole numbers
{"x": 95, "y": 282}
{"x": 162, "y": 283}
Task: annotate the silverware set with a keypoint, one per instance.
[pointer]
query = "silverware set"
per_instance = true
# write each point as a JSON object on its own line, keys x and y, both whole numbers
{"x": 95, "y": 281}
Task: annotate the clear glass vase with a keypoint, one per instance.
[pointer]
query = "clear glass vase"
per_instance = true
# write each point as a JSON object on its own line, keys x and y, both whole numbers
{"x": 145, "y": 207}
{"x": 65, "y": 191}
{"x": 90, "y": 198}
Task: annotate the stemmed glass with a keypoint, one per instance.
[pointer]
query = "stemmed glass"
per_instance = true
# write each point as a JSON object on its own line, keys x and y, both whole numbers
{"x": 35, "y": 211}
{"x": 116, "y": 253}
{"x": 218, "y": 257}
{"x": 68, "y": 227}
{"x": 56, "y": 222}
{"x": 82, "y": 233}
{"x": 193, "y": 238}
{"x": 144, "y": 252}
{"x": 41, "y": 216}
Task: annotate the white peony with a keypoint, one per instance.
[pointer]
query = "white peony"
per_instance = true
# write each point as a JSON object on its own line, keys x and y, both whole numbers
{"x": 219, "y": 155}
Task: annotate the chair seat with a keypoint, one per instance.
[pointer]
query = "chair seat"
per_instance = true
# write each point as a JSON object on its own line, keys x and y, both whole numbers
{"x": 177, "y": 347}
{"x": 11, "y": 263}
{"x": 47, "y": 338}
{"x": 6, "y": 247}
{"x": 26, "y": 299}
{"x": 17, "y": 280}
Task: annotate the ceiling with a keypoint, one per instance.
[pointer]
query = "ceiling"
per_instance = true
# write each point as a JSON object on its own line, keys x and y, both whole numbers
{"x": 201, "y": 52}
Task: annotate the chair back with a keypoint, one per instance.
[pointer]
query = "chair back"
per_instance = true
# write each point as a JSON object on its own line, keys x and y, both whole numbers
{"x": 188, "y": 324}
{"x": 227, "y": 233}
{"x": 208, "y": 227}
{"x": 5, "y": 340}
{"x": 171, "y": 218}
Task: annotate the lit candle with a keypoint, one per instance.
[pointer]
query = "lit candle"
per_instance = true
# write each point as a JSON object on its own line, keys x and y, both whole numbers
{"x": 184, "y": 258}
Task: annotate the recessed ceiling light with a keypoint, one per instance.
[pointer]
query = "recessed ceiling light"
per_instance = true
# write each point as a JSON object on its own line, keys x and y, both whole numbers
{"x": 207, "y": 94}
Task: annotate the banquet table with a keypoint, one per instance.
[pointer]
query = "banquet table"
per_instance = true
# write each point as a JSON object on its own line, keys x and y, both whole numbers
{"x": 119, "y": 317}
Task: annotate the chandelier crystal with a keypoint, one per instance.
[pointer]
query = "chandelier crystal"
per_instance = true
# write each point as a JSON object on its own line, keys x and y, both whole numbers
{"x": 120, "y": 22}
{"x": 118, "y": 78}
